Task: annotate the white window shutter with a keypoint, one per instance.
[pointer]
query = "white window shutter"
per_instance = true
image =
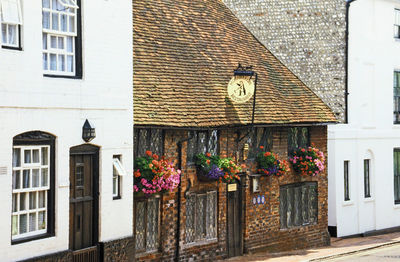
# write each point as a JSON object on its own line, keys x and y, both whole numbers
{"x": 11, "y": 12}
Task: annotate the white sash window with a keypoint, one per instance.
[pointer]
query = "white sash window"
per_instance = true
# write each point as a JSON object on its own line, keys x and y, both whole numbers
{"x": 59, "y": 22}
{"x": 11, "y": 19}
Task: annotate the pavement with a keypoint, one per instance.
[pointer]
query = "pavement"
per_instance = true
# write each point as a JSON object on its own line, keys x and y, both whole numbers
{"x": 339, "y": 247}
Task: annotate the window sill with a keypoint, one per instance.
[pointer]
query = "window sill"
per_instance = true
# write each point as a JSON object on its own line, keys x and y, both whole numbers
{"x": 28, "y": 239}
{"x": 117, "y": 197}
{"x": 297, "y": 227}
{"x": 396, "y": 205}
{"x": 348, "y": 203}
{"x": 62, "y": 76}
{"x": 12, "y": 48}
{"x": 201, "y": 243}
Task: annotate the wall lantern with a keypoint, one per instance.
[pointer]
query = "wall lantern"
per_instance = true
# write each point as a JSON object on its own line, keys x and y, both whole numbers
{"x": 88, "y": 132}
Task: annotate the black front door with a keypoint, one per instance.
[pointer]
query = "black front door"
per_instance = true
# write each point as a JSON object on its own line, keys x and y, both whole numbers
{"x": 83, "y": 199}
{"x": 234, "y": 220}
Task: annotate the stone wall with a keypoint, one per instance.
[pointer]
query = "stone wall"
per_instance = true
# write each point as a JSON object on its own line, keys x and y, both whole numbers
{"x": 307, "y": 36}
{"x": 261, "y": 228}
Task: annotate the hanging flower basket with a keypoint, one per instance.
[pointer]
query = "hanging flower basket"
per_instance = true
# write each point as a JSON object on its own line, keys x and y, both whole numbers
{"x": 155, "y": 175}
{"x": 213, "y": 168}
{"x": 310, "y": 161}
{"x": 269, "y": 164}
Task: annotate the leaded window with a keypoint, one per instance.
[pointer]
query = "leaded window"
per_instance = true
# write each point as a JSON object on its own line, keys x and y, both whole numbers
{"x": 396, "y": 98}
{"x": 202, "y": 142}
{"x": 298, "y": 204}
{"x": 11, "y": 21}
{"x": 397, "y": 23}
{"x": 148, "y": 139}
{"x": 396, "y": 160}
{"x": 201, "y": 217}
{"x": 298, "y": 137}
{"x": 257, "y": 138}
{"x": 147, "y": 217}
{"x": 60, "y": 32}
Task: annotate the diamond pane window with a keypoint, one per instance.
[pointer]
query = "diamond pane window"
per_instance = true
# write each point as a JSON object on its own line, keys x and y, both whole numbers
{"x": 259, "y": 137}
{"x": 30, "y": 190}
{"x": 201, "y": 217}
{"x": 298, "y": 204}
{"x": 147, "y": 213}
{"x": 148, "y": 139}
{"x": 202, "y": 142}
{"x": 298, "y": 137}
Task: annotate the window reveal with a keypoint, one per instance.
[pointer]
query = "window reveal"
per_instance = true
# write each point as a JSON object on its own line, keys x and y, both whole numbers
{"x": 298, "y": 204}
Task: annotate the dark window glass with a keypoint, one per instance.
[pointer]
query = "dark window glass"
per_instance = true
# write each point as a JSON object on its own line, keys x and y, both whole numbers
{"x": 201, "y": 217}
{"x": 396, "y": 161}
{"x": 298, "y": 137}
{"x": 147, "y": 224}
{"x": 367, "y": 187}
{"x": 298, "y": 204}
{"x": 396, "y": 98}
{"x": 148, "y": 139}
{"x": 346, "y": 181}
{"x": 202, "y": 142}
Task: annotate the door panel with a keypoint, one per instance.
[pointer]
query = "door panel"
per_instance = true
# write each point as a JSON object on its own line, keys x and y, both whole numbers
{"x": 234, "y": 222}
{"x": 82, "y": 201}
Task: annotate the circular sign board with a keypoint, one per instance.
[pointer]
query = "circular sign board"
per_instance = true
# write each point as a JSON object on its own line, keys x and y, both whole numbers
{"x": 240, "y": 89}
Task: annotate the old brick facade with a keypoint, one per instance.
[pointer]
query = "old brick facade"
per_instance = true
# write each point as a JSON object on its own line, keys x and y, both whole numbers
{"x": 307, "y": 36}
{"x": 261, "y": 223}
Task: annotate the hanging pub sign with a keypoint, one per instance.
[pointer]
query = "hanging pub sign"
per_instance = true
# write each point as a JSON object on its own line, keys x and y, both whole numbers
{"x": 241, "y": 87}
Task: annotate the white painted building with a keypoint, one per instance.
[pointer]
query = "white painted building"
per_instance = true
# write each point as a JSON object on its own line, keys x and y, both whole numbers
{"x": 63, "y": 62}
{"x": 364, "y": 181}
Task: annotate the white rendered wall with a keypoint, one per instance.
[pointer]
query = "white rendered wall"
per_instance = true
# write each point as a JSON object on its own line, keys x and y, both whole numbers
{"x": 373, "y": 57}
{"x": 29, "y": 101}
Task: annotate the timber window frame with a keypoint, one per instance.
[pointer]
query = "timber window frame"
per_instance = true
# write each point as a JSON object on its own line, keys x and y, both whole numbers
{"x": 33, "y": 187}
{"x": 61, "y": 38}
{"x": 11, "y": 21}
{"x": 147, "y": 224}
{"x": 148, "y": 139}
{"x": 118, "y": 173}
{"x": 397, "y": 23}
{"x": 396, "y": 175}
{"x": 298, "y": 205}
{"x": 298, "y": 137}
{"x": 202, "y": 142}
{"x": 201, "y": 217}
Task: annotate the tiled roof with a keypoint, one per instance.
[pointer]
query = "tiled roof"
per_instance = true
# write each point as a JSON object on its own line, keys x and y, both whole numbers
{"x": 185, "y": 52}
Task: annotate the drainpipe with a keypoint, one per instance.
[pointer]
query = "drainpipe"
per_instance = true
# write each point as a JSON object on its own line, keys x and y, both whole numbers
{"x": 346, "y": 92}
{"x": 178, "y": 226}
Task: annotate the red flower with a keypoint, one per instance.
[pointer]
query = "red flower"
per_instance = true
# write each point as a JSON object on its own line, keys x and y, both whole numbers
{"x": 155, "y": 156}
{"x": 208, "y": 154}
{"x": 148, "y": 152}
{"x": 208, "y": 161}
{"x": 261, "y": 147}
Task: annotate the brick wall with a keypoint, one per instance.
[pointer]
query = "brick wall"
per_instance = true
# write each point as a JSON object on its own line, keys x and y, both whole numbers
{"x": 261, "y": 227}
{"x": 307, "y": 36}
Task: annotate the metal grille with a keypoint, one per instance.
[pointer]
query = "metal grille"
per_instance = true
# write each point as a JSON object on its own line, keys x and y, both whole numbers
{"x": 89, "y": 254}
{"x": 152, "y": 224}
{"x": 298, "y": 204}
{"x": 190, "y": 216}
{"x": 140, "y": 225}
